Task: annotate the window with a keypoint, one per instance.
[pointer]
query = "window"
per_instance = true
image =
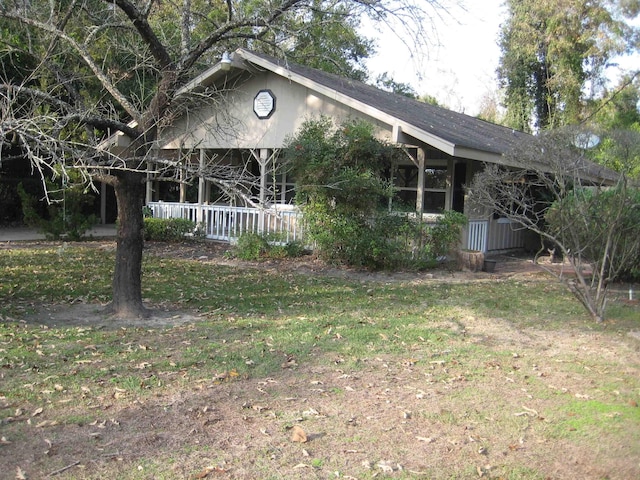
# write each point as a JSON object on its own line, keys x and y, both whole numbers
{"x": 434, "y": 202}
{"x": 283, "y": 186}
{"x": 435, "y": 188}
{"x": 435, "y": 178}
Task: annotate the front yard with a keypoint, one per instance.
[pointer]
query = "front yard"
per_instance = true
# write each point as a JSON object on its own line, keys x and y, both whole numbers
{"x": 432, "y": 375}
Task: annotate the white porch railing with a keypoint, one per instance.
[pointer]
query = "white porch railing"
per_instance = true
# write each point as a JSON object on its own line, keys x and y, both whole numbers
{"x": 225, "y": 223}
{"x": 477, "y": 231}
{"x": 221, "y": 222}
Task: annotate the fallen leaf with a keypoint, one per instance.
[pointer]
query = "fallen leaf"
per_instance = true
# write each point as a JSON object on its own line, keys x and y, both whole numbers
{"x": 47, "y": 423}
{"x": 385, "y": 466}
{"x": 37, "y": 411}
{"x": 20, "y": 475}
{"x": 298, "y": 434}
{"x": 310, "y": 413}
{"x": 205, "y": 473}
{"x": 291, "y": 363}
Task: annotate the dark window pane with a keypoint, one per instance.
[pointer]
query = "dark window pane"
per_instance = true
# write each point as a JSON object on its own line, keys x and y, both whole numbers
{"x": 435, "y": 178}
{"x": 406, "y": 176}
{"x": 434, "y": 202}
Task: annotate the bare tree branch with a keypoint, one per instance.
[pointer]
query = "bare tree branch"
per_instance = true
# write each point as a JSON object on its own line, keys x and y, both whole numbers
{"x": 147, "y": 34}
{"x": 84, "y": 54}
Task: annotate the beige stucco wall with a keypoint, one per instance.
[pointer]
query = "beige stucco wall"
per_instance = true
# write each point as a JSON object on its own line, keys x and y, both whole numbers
{"x": 232, "y": 123}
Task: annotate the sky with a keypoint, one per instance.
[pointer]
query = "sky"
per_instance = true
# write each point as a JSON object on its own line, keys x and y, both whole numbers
{"x": 459, "y": 65}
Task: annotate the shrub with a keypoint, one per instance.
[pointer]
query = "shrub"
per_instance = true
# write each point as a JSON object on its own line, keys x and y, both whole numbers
{"x": 294, "y": 249}
{"x": 445, "y": 235}
{"x": 167, "y": 229}
{"x": 342, "y": 187}
{"x": 65, "y": 216}
{"x": 254, "y": 246}
{"x": 583, "y": 221}
{"x": 251, "y": 246}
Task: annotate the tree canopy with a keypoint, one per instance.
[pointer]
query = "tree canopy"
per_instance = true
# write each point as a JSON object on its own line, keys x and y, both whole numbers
{"x": 555, "y": 54}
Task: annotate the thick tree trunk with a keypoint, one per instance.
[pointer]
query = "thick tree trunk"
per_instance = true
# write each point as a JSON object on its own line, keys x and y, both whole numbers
{"x": 127, "y": 282}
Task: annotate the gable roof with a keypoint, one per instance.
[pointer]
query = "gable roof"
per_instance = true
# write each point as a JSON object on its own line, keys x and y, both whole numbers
{"x": 420, "y": 120}
{"x": 457, "y": 134}
{"x": 454, "y": 133}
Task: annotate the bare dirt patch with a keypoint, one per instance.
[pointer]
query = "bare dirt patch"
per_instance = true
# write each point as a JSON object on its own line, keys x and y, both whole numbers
{"x": 433, "y": 413}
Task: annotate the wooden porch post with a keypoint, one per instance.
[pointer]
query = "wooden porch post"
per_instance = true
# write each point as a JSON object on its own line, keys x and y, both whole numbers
{"x": 149, "y": 190}
{"x": 183, "y": 187}
{"x": 103, "y": 203}
{"x": 448, "y": 196}
{"x": 201, "y": 180}
{"x": 200, "y": 217}
{"x": 263, "y": 161}
{"x": 420, "y": 193}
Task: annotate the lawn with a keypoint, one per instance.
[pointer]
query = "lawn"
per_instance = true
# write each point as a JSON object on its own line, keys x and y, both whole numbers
{"x": 260, "y": 370}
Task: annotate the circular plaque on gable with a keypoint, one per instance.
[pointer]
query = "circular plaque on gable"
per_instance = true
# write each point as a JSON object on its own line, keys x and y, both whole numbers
{"x": 264, "y": 104}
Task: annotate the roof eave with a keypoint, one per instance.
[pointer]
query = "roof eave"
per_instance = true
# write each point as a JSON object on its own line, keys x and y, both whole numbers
{"x": 211, "y": 75}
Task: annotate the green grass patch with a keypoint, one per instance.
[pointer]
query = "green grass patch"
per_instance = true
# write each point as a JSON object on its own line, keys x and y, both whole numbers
{"x": 595, "y": 419}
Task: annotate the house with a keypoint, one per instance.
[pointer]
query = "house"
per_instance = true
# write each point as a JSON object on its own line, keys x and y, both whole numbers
{"x": 262, "y": 100}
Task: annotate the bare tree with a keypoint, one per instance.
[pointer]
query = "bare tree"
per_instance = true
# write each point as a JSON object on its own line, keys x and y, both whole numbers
{"x": 108, "y": 66}
{"x": 586, "y": 213}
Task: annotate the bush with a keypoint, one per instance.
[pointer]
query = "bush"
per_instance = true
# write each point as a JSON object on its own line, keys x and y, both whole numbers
{"x": 167, "y": 229}
{"x": 65, "y": 216}
{"x": 251, "y": 246}
{"x": 589, "y": 221}
{"x": 254, "y": 246}
{"x": 343, "y": 190}
{"x": 445, "y": 235}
